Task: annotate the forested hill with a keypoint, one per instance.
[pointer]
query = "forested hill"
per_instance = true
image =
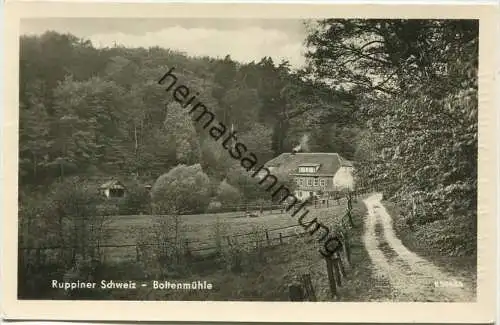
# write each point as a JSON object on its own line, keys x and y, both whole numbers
{"x": 88, "y": 111}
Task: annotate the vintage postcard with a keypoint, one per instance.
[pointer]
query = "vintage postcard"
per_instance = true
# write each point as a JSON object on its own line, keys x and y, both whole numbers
{"x": 250, "y": 162}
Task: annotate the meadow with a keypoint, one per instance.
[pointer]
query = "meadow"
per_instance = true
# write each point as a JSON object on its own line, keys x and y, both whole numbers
{"x": 202, "y": 231}
{"x": 246, "y": 271}
{"x": 267, "y": 272}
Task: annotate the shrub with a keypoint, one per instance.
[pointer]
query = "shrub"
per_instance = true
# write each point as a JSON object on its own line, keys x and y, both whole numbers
{"x": 184, "y": 189}
{"x": 68, "y": 216}
{"x": 214, "y": 206}
{"x": 248, "y": 186}
{"x": 136, "y": 201}
{"x": 68, "y": 219}
{"x": 220, "y": 231}
{"x": 169, "y": 256}
{"x": 228, "y": 195}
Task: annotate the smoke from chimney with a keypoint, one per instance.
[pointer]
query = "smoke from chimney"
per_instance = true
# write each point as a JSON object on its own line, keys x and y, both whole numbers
{"x": 303, "y": 145}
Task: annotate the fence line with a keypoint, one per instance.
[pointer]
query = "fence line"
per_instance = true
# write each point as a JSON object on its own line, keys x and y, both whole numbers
{"x": 357, "y": 193}
{"x": 160, "y": 244}
{"x": 337, "y": 265}
{"x": 264, "y": 233}
{"x": 234, "y": 209}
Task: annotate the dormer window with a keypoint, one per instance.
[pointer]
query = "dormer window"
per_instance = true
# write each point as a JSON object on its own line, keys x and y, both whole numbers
{"x": 308, "y": 169}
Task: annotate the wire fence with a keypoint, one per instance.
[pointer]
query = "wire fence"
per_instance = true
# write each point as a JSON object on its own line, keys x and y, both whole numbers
{"x": 132, "y": 250}
{"x": 233, "y": 245}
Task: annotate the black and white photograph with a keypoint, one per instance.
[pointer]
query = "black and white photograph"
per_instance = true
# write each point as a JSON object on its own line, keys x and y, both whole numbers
{"x": 310, "y": 159}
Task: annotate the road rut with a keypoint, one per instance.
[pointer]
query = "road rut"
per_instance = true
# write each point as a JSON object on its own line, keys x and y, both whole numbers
{"x": 411, "y": 277}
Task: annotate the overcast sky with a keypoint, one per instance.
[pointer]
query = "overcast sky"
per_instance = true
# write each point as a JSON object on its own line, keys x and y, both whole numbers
{"x": 245, "y": 40}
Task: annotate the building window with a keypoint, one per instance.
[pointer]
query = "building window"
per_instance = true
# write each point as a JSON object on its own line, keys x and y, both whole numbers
{"x": 116, "y": 192}
{"x": 309, "y": 182}
{"x": 322, "y": 182}
{"x": 301, "y": 181}
{"x": 307, "y": 169}
{"x": 299, "y": 193}
{"x": 316, "y": 182}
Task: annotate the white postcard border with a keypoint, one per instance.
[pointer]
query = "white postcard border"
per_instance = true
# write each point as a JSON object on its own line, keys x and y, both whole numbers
{"x": 481, "y": 311}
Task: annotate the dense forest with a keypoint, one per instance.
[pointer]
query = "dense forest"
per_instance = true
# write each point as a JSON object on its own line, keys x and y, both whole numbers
{"x": 85, "y": 111}
{"x": 415, "y": 82}
{"x": 398, "y": 97}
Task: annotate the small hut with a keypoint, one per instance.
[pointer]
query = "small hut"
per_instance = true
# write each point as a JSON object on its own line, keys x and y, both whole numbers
{"x": 112, "y": 189}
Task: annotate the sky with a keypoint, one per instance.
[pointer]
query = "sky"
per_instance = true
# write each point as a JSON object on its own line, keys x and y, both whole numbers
{"x": 245, "y": 40}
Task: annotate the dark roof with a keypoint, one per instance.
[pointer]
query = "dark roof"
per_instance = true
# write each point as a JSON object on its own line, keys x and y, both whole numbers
{"x": 112, "y": 184}
{"x": 329, "y": 163}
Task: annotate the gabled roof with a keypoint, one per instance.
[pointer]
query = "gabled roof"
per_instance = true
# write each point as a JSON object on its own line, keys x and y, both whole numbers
{"x": 329, "y": 163}
{"x": 345, "y": 162}
{"x": 112, "y": 184}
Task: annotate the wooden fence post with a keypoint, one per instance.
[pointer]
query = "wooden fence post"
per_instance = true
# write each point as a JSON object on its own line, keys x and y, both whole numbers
{"x": 336, "y": 269}
{"x": 349, "y": 201}
{"x": 331, "y": 276}
{"x": 267, "y": 238}
{"x": 341, "y": 266}
{"x": 187, "y": 251}
{"x": 350, "y": 218}
{"x": 281, "y": 239}
{"x": 347, "y": 248}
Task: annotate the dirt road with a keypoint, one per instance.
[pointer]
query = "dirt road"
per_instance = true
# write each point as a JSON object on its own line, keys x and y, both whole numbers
{"x": 412, "y": 278}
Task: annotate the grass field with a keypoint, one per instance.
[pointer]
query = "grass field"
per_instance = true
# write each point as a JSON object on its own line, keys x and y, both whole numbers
{"x": 267, "y": 277}
{"x": 202, "y": 230}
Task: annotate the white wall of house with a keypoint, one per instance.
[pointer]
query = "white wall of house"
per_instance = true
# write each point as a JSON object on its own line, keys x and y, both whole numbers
{"x": 344, "y": 178}
{"x": 303, "y": 195}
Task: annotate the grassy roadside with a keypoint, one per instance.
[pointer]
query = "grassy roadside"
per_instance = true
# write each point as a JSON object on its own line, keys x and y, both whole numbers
{"x": 460, "y": 266}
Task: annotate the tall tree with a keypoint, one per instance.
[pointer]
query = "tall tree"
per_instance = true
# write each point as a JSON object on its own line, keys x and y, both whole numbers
{"x": 416, "y": 83}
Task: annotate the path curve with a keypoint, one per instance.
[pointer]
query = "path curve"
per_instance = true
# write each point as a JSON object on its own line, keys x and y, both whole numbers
{"x": 412, "y": 277}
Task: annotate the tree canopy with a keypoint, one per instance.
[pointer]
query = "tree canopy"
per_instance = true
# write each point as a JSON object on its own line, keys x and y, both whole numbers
{"x": 87, "y": 111}
{"x": 415, "y": 83}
